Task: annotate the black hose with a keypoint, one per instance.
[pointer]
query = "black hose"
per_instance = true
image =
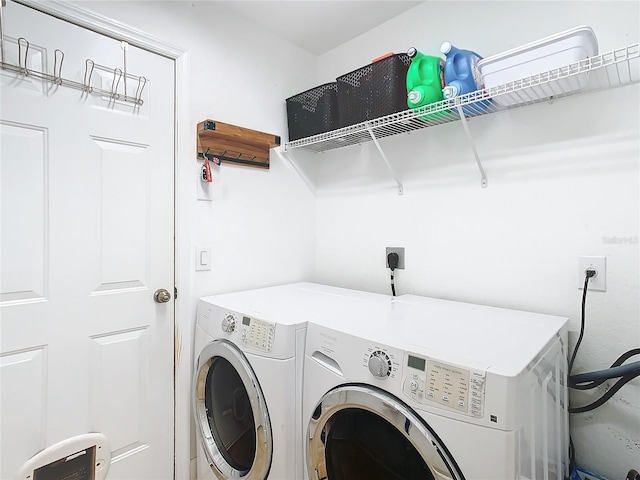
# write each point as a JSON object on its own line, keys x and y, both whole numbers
{"x": 625, "y": 356}
{"x": 601, "y": 375}
{"x": 619, "y": 361}
{"x": 616, "y": 386}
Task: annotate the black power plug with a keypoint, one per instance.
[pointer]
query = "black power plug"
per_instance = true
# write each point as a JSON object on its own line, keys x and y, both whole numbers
{"x": 393, "y": 259}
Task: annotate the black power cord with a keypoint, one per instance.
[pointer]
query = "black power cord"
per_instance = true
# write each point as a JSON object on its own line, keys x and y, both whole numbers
{"x": 572, "y": 456}
{"x": 393, "y": 259}
{"x": 587, "y": 381}
{"x": 588, "y": 275}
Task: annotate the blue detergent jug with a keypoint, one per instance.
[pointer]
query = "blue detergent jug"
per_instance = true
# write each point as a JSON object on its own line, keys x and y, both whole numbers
{"x": 461, "y": 75}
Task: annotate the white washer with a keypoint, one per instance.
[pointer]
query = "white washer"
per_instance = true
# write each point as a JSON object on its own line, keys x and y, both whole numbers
{"x": 433, "y": 389}
{"x": 248, "y": 378}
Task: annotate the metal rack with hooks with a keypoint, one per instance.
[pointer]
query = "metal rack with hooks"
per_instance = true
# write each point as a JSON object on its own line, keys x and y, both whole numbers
{"x": 57, "y": 79}
{"x": 617, "y": 68}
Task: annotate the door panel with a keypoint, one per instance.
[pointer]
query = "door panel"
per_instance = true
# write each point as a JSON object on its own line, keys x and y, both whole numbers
{"x": 124, "y": 209}
{"x": 119, "y": 419}
{"x": 86, "y": 219}
{"x": 24, "y": 213}
{"x": 26, "y": 367}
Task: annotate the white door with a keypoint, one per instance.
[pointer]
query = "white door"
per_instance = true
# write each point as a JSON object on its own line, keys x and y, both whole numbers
{"x": 87, "y": 202}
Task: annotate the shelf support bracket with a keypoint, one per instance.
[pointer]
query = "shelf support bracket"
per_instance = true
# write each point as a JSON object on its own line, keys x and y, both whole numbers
{"x": 465, "y": 125}
{"x": 286, "y": 156}
{"x": 386, "y": 161}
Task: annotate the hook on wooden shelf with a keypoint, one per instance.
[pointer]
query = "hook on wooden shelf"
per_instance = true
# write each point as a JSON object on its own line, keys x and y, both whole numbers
{"x": 218, "y": 159}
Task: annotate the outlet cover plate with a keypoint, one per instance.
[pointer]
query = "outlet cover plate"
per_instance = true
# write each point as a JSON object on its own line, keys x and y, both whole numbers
{"x": 597, "y": 283}
{"x": 203, "y": 189}
{"x": 400, "y": 252}
{"x": 203, "y": 258}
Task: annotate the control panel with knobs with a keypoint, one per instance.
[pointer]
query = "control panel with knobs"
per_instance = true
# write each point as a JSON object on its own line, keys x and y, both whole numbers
{"x": 229, "y": 324}
{"x": 379, "y": 364}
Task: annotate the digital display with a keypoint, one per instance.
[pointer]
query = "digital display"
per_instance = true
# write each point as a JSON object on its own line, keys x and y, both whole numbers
{"x": 417, "y": 363}
{"x": 246, "y": 321}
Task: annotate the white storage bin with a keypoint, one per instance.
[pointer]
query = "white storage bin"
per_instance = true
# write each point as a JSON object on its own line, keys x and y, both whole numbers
{"x": 537, "y": 57}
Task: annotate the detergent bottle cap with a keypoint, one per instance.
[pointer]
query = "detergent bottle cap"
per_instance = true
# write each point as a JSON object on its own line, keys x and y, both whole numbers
{"x": 445, "y": 47}
{"x": 415, "y": 96}
{"x": 450, "y": 91}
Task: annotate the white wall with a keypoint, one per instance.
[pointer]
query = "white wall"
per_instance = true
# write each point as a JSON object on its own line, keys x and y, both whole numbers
{"x": 261, "y": 223}
{"x": 562, "y": 178}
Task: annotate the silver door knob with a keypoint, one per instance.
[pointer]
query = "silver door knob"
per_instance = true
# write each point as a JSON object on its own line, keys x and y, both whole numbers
{"x": 162, "y": 295}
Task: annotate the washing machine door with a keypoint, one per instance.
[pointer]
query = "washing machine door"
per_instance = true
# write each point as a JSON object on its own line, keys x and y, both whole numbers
{"x": 231, "y": 414}
{"x": 361, "y": 432}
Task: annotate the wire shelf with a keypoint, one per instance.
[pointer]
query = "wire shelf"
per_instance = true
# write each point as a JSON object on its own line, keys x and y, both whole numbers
{"x": 613, "y": 69}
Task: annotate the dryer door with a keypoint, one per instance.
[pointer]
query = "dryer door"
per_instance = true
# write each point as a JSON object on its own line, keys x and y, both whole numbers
{"x": 231, "y": 414}
{"x": 360, "y": 432}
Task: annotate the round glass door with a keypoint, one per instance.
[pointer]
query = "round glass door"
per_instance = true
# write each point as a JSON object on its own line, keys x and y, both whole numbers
{"x": 360, "y": 432}
{"x": 231, "y": 413}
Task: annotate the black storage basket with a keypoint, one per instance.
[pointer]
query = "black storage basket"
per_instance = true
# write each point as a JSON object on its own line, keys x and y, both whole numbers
{"x": 312, "y": 112}
{"x": 373, "y": 91}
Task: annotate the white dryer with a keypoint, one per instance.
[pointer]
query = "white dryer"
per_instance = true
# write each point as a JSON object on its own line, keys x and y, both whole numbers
{"x": 247, "y": 384}
{"x": 432, "y": 389}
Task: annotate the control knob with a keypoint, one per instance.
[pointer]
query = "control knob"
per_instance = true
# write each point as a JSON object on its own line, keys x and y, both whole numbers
{"x": 229, "y": 324}
{"x": 379, "y": 364}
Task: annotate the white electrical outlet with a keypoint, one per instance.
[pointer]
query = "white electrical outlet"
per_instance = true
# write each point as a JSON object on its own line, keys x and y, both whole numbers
{"x": 599, "y": 264}
{"x": 400, "y": 252}
{"x": 203, "y": 189}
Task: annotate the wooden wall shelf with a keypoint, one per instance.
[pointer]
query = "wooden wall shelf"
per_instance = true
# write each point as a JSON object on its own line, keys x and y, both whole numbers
{"x": 229, "y": 143}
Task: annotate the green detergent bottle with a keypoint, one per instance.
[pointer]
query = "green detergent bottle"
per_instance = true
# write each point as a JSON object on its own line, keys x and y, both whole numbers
{"x": 424, "y": 81}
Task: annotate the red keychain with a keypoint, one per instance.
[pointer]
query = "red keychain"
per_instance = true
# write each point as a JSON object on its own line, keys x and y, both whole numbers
{"x": 206, "y": 171}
